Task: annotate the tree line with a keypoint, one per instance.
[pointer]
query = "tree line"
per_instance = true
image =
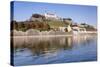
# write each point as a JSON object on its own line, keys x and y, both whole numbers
{"x": 23, "y": 26}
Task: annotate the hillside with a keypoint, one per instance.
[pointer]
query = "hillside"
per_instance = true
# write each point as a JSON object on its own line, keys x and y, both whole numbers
{"x": 39, "y": 22}
{"x": 56, "y": 24}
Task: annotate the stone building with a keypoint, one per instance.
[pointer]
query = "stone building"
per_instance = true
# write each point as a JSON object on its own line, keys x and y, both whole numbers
{"x": 37, "y": 17}
{"x": 51, "y": 16}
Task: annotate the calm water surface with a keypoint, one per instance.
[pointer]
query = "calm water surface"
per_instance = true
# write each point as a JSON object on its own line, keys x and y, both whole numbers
{"x": 47, "y": 50}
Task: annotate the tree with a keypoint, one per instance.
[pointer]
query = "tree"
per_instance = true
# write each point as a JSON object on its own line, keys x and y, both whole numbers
{"x": 67, "y": 21}
{"x": 14, "y": 25}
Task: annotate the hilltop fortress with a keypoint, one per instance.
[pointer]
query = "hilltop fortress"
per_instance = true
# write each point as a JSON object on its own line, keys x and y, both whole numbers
{"x": 51, "y": 22}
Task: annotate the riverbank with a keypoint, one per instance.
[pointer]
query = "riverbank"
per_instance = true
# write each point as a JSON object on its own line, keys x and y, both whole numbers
{"x": 51, "y": 33}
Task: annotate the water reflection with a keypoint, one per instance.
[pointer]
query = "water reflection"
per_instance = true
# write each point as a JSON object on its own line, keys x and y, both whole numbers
{"x": 43, "y": 45}
{"x": 51, "y": 47}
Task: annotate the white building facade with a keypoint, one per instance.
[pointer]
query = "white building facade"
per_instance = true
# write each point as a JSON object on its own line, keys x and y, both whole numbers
{"x": 50, "y": 15}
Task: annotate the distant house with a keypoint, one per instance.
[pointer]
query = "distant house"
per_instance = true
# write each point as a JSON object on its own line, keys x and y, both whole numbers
{"x": 87, "y": 27}
{"x": 83, "y": 25}
{"x": 77, "y": 29}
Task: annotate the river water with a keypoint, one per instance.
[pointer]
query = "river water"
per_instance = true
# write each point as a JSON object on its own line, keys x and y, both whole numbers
{"x": 55, "y": 49}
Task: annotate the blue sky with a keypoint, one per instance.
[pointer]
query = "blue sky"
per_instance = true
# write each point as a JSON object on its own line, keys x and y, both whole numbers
{"x": 79, "y": 13}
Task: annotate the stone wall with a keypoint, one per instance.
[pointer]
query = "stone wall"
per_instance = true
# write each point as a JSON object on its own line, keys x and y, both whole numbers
{"x": 32, "y": 32}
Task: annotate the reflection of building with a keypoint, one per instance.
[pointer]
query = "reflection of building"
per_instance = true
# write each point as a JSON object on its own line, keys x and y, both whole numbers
{"x": 69, "y": 41}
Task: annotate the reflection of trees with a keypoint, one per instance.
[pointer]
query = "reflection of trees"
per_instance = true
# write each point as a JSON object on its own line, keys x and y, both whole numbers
{"x": 68, "y": 41}
{"x": 43, "y": 45}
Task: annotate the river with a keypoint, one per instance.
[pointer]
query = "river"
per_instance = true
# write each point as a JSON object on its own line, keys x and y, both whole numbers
{"x": 56, "y": 49}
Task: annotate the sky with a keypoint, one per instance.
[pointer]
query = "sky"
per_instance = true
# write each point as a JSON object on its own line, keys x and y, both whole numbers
{"x": 79, "y": 13}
